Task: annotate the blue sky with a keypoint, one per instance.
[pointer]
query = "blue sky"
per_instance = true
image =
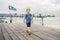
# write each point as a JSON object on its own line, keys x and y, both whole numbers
{"x": 37, "y": 6}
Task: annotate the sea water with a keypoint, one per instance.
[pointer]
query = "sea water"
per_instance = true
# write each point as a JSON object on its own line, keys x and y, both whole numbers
{"x": 53, "y": 22}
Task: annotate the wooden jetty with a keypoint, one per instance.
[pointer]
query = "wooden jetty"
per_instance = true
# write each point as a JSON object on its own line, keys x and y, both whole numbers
{"x": 17, "y": 31}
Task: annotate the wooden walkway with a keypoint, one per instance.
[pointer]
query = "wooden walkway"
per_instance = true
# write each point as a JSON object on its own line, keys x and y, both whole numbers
{"x": 17, "y": 31}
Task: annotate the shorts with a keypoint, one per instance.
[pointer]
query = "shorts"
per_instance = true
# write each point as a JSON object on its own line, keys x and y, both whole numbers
{"x": 28, "y": 24}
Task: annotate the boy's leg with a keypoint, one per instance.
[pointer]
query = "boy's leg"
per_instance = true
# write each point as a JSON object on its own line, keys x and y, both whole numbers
{"x": 28, "y": 27}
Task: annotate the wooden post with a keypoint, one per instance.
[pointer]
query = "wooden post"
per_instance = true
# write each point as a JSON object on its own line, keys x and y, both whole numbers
{"x": 42, "y": 21}
{"x": 11, "y": 19}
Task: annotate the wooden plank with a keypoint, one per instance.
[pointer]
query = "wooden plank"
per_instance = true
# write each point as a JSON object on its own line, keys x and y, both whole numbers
{"x": 1, "y": 34}
{"x": 5, "y": 33}
{"x": 11, "y": 33}
{"x": 49, "y": 31}
{"x": 33, "y": 36}
{"x": 23, "y": 34}
{"x": 17, "y": 33}
{"x": 44, "y": 37}
{"x": 51, "y": 36}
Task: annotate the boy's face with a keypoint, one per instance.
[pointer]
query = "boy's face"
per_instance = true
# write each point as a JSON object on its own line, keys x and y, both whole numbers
{"x": 28, "y": 10}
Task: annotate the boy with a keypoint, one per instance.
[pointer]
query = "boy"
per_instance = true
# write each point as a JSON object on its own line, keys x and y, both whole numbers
{"x": 28, "y": 18}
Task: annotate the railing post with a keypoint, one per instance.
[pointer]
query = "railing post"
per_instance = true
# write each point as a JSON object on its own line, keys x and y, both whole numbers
{"x": 11, "y": 19}
{"x": 42, "y": 21}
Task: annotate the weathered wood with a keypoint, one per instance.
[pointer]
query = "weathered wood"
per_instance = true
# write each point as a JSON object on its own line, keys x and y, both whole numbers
{"x": 17, "y": 31}
{"x": 24, "y": 34}
{"x": 1, "y": 34}
{"x": 33, "y": 36}
{"x": 5, "y": 33}
{"x": 47, "y": 32}
{"x": 11, "y": 33}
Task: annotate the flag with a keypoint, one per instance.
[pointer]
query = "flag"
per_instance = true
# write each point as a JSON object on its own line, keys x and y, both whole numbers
{"x": 11, "y": 7}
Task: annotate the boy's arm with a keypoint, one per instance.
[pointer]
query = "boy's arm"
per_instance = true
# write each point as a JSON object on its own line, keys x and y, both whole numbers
{"x": 32, "y": 19}
{"x": 24, "y": 18}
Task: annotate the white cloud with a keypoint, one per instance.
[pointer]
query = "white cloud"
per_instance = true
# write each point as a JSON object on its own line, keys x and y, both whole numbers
{"x": 43, "y": 6}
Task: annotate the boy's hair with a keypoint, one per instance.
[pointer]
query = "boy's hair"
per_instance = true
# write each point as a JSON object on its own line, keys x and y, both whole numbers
{"x": 28, "y": 9}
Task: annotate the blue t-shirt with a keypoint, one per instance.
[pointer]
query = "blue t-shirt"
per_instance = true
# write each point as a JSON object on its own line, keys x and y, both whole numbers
{"x": 28, "y": 18}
